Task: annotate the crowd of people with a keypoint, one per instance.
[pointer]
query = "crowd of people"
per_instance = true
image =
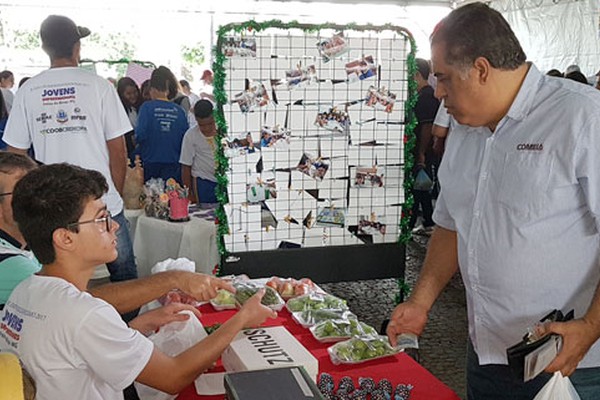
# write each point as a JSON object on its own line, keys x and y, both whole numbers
{"x": 516, "y": 213}
{"x": 69, "y": 218}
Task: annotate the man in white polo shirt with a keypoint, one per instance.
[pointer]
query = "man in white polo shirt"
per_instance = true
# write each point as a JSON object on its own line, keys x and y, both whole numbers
{"x": 71, "y": 115}
{"x": 519, "y": 207}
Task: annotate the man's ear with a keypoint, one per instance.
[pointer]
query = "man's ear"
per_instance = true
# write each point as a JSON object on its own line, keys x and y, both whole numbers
{"x": 482, "y": 68}
{"x": 63, "y": 239}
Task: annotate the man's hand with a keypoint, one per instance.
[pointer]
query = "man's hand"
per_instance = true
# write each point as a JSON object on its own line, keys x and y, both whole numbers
{"x": 578, "y": 336}
{"x": 150, "y": 321}
{"x": 254, "y": 313}
{"x": 201, "y": 286}
{"x": 407, "y": 317}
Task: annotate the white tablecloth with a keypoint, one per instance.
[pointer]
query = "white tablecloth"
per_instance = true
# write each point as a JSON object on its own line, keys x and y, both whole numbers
{"x": 156, "y": 240}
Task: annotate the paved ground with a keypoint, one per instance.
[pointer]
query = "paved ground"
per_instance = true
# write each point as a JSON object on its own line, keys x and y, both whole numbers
{"x": 443, "y": 344}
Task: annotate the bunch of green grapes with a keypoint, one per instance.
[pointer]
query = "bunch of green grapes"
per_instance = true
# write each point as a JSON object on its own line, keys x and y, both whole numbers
{"x": 316, "y": 301}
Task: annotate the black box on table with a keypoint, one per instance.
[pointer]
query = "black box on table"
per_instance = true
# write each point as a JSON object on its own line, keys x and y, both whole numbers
{"x": 291, "y": 383}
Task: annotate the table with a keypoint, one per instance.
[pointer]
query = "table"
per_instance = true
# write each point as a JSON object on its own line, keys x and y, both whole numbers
{"x": 156, "y": 240}
{"x": 398, "y": 369}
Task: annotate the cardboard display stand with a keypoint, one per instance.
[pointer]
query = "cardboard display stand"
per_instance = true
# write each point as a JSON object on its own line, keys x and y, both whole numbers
{"x": 313, "y": 132}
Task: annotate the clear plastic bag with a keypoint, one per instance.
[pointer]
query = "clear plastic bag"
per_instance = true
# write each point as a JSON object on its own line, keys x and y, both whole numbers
{"x": 308, "y": 318}
{"x": 246, "y": 289}
{"x": 361, "y": 349}
{"x": 559, "y": 387}
{"x": 173, "y": 339}
{"x": 316, "y": 301}
{"x": 422, "y": 181}
{"x": 340, "y": 329}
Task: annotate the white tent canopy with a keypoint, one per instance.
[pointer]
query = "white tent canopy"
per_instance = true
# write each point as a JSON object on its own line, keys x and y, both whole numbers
{"x": 556, "y": 33}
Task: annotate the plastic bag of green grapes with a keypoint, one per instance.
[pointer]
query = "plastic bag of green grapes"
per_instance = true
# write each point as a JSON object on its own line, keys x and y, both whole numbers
{"x": 308, "y": 318}
{"x": 225, "y": 300}
{"x": 360, "y": 349}
{"x": 245, "y": 290}
{"x": 316, "y": 301}
{"x": 340, "y": 329}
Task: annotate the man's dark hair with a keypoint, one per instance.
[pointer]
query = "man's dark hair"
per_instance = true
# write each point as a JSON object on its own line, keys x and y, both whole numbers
{"x": 5, "y": 74}
{"x": 161, "y": 79}
{"x": 203, "y": 109}
{"x": 184, "y": 83}
{"x": 476, "y": 30}
{"x": 11, "y": 163}
{"x": 577, "y": 77}
{"x": 423, "y": 68}
{"x": 555, "y": 73}
{"x": 52, "y": 197}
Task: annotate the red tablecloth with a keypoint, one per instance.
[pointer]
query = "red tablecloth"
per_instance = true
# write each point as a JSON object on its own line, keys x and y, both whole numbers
{"x": 398, "y": 369}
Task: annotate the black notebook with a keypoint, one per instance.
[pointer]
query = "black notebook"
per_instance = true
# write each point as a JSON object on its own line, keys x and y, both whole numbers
{"x": 291, "y": 383}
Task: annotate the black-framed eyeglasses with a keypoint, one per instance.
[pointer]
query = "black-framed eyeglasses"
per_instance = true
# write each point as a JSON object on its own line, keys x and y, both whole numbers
{"x": 5, "y": 194}
{"x": 107, "y": 220}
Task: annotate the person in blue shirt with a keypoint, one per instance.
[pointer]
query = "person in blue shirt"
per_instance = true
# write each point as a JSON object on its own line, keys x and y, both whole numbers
{"x": 160, "y": 130}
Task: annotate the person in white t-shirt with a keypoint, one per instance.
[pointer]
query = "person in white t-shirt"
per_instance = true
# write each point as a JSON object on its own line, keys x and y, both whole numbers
{"x": 75, "y": 345}
{"x": 198, "y": 156}
{"x": 72, "y": 115}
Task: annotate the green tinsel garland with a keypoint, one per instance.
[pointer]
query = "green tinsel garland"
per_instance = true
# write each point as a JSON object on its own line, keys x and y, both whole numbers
{"x": 221, "y": 98}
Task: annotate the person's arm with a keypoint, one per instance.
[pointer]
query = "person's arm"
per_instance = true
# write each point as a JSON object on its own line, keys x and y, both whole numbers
{"x": 439, "y": 132}
{"x": 578, "y": 336}
{"x": 173, "y": 374}
{"x": 117, "y": 158}
{"x": 186, "y": 177}
{"x": 17, "y": 151}
{"x": 150, "y": 321}
{"x": 441, "y": 263}
{"x": 129, "y": 295}
{"x": 425, "y": 139}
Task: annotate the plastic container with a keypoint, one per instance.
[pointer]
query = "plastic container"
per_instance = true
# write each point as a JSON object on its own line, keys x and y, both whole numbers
{"x": 316, "y": 301}
{"x": 308, "y": 318}
{"x": 340, "y": 329}
{"x": 225, "y": 300}
{"x": 247, "y": 289}
{"x": 361, "y": 349}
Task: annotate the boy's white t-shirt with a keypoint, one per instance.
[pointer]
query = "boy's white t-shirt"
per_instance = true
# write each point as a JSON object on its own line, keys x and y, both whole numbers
{"x": 198, "y": 151}
{"x": 69, "y": 114}
{"x": 74, "y": 345}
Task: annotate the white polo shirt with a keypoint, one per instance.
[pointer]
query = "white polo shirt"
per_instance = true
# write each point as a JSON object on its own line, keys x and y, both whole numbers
{"x": 524, "y": 202}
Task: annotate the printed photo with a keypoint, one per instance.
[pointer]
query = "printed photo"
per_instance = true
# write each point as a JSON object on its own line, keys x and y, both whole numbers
{"x": 368, "y": 177}
{"x": 239, "y": 47}
{"x": 274, "y": 136}
{"x": 332, "y": 47}
{"x": 361, "y": 69}
{"x": 331, "y": 217}
{"x": 333, "y": 120}
{"x": 370, "y": 225}
{"x": 381, "y": 98}
{"x": 255, "y": 96}
{"x": 239, "y": 146}
{"x": 313, "y": 167}
{"x": 298, "y": 77}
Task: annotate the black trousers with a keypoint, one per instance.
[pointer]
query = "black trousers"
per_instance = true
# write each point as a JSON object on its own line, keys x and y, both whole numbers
{"x": 424, "y": 200}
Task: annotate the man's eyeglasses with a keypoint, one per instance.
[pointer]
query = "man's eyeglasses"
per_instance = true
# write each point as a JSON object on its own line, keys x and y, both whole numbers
{"x": 107, "y": 220}
{"x": 5, "y": 194}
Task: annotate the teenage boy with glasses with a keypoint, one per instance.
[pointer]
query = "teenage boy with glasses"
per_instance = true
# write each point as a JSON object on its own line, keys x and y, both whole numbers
{"x": 73, "y": 344}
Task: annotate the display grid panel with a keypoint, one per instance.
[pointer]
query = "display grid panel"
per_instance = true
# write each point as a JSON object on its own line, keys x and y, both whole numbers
{"x": 315, "y": 141}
